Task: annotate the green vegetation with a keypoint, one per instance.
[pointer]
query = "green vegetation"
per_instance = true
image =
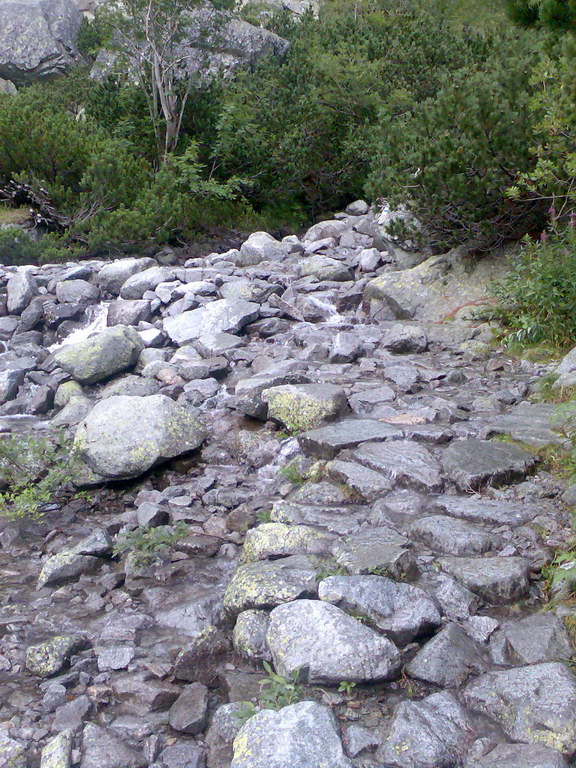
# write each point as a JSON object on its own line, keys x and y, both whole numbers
{"x": 148, "y": 544}
{"x": 277, "y": 691}
{"x": 33, "y": 473}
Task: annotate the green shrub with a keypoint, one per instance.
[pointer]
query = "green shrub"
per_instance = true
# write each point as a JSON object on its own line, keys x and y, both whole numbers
{"x": 538, "y": 297}
{"x": 33, "y": 472}
{"x": 18, "y": 247}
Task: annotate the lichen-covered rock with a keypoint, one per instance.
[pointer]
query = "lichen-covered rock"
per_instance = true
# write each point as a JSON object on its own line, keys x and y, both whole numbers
{"x": 58, "y": 752}
{"x": 435, "y": 731}
{"x": 328, "y": 646}
{"x": 380, "y": 550}
{"x": 400, "y": 611}
{"x": 534, "y": 704}
{"x": 66, "y": 566}
{"x": 266, "y": 584}
{"x": 37, "y": 38}
{"x": 304, "y": 406}
{"x": 101, "y": 356}
{"x": 301, "y": 735}
{"x": 51, "y": 657}
{"x": 325, "y": 268}
{"x": 519, "y": 756}
{"x": 12, "y": 753}
{"x": 125, "y": 436}
{"x": 250, "y": 635}
{"x": 279, "y": 540}
{"x": 249, "y": 392}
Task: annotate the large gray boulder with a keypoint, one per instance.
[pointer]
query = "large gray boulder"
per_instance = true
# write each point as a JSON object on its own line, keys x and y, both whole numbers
{"x": 125, "y": 436}
{"x": 37, "y": 38}
{"x": 101, "y": 356}
{"x": 227, "y": 315}
{"x": 328, "y": 646}
{"x": 301, "y": 735}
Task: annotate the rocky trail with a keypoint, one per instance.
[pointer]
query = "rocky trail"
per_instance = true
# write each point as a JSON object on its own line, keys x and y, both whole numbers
{"x": 316, "y": 460}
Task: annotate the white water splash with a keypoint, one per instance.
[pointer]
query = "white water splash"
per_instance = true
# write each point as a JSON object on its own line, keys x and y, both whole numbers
{"x": 96, "y": 317}
{"x": 333, "y": 317}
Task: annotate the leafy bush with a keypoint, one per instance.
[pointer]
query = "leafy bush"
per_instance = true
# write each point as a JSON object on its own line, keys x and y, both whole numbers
{"x": 538, "y": 297}
{"x": 452, "y": 156}
{"x": 33, "y": 472}
{"x": 18, "y": 247}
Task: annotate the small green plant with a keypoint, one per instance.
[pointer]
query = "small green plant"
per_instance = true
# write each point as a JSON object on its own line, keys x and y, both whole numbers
{"x": 264, "y": 516}
{"x": 292, "y": 473}
{"x": 329, "y": 566}
{"x": 34, "y": 472}
{"x": 277, "y": 691}
{"x": 147, "y": 544}
{"x": 246, "y": 711}
{"x": 562, "y": 568}
{"x": 346, "y": 687}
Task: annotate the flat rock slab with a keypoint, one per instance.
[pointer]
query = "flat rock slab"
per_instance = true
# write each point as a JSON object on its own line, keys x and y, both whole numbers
{"x": 520, "y": 756}
{"x": 267, "y": 584}
{"x": 535, "y": 639}
{"x": 280, "y": 540}
{"x": 365, "y": 482}
{"x": 328, "y": 646}
{"x": 337, "y": 519}
{"x": 298, "y": 736}
{"x": 435, "y": 731}
{"x": 534, "y": 704}
{"x": 380, "y": 550}
{"x": 494, "y": 579}
{"x": 472, "y": 463}
{"x": 480, "y": 510}
{"x": 400, "y": 611}
{"x": 449, "y": 659}
{"x": 406, "y": 462}
{"x": 450, "y": 536}
{"x": 228, "y": 315}
{"x": 305, "y": 406}
{"x": 531, "y": 423}
{"x": 327, "y": 441}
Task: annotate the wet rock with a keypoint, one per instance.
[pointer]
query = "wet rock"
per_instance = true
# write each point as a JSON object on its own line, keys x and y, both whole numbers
{"x": 113, "y": 276}
{"x": 125, "y": 312}
{"x": 66, "y": 566}
{"x": 481, "y": 510}
{"x": 494, "y": 579}
{"x": 101, "y": 356}
{"x": 249, "y": 391}
{"x": 223, "y": 729}
{"x": 327, "y": 645}
{"x": 22, "y": 288}
{"x": 189, "y": 713}
{"x": 449, "y": 659}
{"x": 533, "y": 705}
{"x": 435, "y": 731}
{"x": 294, "y": 737}
{"x": 266, "y": 584}
{"x": 449, "y": 536}
{"x": 378, "y": 550}
{"x": 405, "y": 339}
{"x": 77, "y": 292}
{"x": 279, "y": 540}
{"x": 125, "y": 436}
{"x": 400, "y": 611}
{"x": 472, "y": 463}
{"x": 520, "y": 756}
{"x": 146, "y": 280}
{"x": 227, "y": 315}
{"x": 250, "y": 635}
{"x": 12, "y": 753}
{"x": 304, "y": 406}
{"x": 261, "y": 246}
{"x": 327, "y": 441}
{"x": 325, "y": 268}
{"x": 406, "y": 462}
{"x": 365, "y": 482}
{"x": 51, "y": 657}
{"x": 58, "y": 752}
{"x": 101, "y": 749}
{"x": 10, "y": 382}
{"x": 532, "y": 640}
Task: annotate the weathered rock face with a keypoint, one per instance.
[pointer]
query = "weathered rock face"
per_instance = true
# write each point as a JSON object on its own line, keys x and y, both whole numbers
{"x": 101, "y": 356}
{"x": 125, "y": 436}
{"x": 37, "y": 38}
